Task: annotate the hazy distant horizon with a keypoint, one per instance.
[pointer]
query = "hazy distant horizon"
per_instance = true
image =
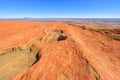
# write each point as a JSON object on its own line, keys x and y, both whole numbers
{"x": 62, "y": 19}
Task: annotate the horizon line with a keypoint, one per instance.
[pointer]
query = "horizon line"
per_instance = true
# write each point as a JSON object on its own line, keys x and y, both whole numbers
{"x": 58, "y": 17}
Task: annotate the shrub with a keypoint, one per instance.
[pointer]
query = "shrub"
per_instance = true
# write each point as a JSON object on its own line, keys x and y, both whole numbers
{"x": 115, "y": 36}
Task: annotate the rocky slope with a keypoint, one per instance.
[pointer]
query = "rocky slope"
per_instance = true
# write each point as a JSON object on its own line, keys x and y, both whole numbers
{"x": 62, "y": 51}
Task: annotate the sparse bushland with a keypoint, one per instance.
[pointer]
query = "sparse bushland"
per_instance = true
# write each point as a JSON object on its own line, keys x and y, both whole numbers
{"x": 77, "y": 25}
{"x": 115, "y": 36}
{"x": 95, "y": 24}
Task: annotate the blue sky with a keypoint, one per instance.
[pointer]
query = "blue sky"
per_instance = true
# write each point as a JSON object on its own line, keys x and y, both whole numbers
{"x": 60, "y": 8}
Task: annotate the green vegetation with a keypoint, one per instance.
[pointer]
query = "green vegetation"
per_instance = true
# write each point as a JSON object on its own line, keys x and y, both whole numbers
{"x": 115, "y": 36}
{"x": 77, "y": 25}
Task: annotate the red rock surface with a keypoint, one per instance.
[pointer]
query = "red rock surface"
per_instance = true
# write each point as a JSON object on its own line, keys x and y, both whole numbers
{"x": 85, "y": 54}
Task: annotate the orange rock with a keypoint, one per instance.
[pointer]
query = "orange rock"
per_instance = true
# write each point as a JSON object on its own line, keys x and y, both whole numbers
{"x": 83, "y": 54}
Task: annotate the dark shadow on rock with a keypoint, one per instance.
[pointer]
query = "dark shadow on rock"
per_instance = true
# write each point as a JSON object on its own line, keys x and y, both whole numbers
{"x": 37, "y": 58}
{"x": 62, "y": 37}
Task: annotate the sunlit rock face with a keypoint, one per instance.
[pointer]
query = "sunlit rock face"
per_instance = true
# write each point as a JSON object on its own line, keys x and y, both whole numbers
{"x": 57, "y": 51}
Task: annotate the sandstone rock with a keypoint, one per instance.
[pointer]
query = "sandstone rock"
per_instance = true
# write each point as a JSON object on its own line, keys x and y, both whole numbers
{"x": 64, "y": 52}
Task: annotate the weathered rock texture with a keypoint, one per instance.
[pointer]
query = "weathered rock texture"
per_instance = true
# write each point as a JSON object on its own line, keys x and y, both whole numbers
{"x": 65, "y": 52}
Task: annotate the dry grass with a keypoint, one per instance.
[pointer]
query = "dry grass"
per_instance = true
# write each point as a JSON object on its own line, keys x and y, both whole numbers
{"x": 14, "y": 61}
{"x": 55, "y": 35}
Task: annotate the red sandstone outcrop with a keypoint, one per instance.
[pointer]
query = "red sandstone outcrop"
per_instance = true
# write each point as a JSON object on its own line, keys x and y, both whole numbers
{"x": 65, "y": 52}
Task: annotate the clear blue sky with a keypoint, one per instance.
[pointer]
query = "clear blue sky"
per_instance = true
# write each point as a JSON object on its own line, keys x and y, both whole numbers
{"x": 60, "y": 8}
